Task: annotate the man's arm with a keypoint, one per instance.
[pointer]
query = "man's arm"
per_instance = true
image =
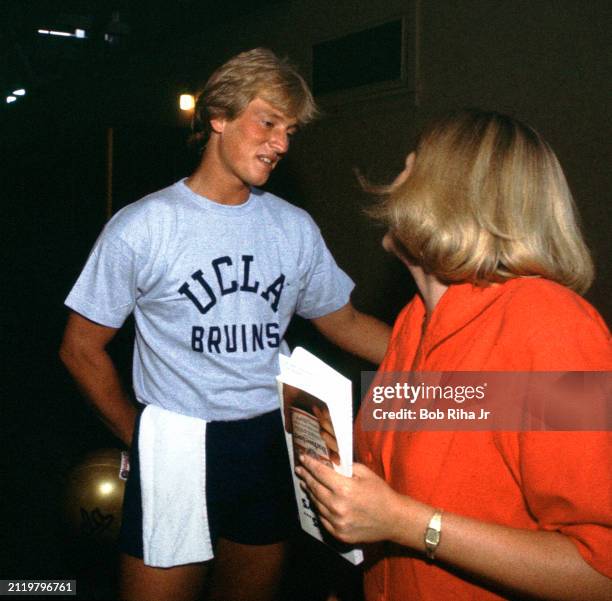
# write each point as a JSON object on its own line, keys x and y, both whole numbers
{"x": 83, "y": 352}
{"x": 355, "y": 332}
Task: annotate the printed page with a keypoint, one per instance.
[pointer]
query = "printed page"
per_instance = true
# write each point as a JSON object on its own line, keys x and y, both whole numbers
{"x": 317, "y": 407}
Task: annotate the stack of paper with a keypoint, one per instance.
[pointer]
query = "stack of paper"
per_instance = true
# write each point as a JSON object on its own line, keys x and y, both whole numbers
{"x": 317, "y": 406}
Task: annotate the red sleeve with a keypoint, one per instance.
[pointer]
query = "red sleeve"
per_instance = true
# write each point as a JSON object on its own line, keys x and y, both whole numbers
{"x": 566, "y": 476}
{"x": 567, "y": 487}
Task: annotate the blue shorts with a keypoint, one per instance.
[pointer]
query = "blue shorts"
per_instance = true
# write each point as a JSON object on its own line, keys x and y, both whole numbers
{"x": 249, "y": 490}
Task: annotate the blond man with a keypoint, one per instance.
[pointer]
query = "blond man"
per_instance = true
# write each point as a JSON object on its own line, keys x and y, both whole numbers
{"x": 213, "y": 268}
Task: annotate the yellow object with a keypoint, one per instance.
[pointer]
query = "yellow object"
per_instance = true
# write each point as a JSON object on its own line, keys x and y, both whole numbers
{"x": 94, "y": 495}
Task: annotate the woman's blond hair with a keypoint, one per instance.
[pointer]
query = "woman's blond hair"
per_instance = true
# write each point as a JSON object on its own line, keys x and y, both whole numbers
{"x": 487, "y": 201}
{"x": 258, "y": 72}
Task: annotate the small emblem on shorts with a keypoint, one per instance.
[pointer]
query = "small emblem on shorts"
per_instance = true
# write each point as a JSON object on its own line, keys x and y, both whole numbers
{"x": 124, "y": 470}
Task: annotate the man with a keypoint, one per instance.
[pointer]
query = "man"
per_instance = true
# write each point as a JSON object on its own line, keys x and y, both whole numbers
{"x": 213, "y": 270}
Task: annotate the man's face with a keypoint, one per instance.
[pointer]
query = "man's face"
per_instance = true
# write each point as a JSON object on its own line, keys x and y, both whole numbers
{"x": 251, "y": 145}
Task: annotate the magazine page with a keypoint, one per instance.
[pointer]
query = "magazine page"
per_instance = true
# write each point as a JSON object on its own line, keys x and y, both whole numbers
{"x": 317, "y": 408}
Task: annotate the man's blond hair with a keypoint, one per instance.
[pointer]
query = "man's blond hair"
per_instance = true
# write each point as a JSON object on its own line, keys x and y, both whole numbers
{"x": 487, "y": 201}
{"x": 255, "y": 73}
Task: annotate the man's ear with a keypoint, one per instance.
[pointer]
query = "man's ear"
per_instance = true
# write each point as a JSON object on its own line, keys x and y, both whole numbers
{"x": 217, "y": 124}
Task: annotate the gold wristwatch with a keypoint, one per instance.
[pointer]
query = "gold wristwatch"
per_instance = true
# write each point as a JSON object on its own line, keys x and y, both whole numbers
{"x": 433, "y": 534}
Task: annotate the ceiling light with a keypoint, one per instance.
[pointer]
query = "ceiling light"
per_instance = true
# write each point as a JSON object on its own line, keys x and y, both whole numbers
{"x": 78, "y": 33}
{"x": 10, "y": 99}
{"x": 63, "y": 34}
{"x": 19, "y": 92}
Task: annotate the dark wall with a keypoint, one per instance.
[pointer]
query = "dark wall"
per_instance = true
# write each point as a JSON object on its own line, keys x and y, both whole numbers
{"x": 54, "y": 201}
{"x": 546, "y": 63}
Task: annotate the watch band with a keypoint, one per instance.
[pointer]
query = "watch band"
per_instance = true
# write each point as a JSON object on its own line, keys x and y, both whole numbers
{"x": 433, "y": 534}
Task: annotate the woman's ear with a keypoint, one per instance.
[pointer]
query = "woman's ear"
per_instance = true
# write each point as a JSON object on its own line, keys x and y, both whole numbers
{"x": 392, "y": 245}
{"x": 410, "y": 159}
{"x": 405, "y": 173}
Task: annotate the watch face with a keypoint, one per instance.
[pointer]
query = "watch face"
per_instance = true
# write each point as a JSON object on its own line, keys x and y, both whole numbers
{"x": 433, "y": 534}
{"x": 432, "y": 537}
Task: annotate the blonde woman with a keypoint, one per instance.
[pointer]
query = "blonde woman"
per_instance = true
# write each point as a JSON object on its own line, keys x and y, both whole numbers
{"x": 483, "y": 219}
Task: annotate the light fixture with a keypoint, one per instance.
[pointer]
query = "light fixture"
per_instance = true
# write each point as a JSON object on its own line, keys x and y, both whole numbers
{"x": 186, "y": 102}
{"x": 62, "y": 34}
{"x": 10, "y": 99}
{"x": 78, "y": 33}
{"x": 19, "y": 92}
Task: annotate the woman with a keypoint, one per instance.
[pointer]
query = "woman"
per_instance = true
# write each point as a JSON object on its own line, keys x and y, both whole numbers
{"x": 484, "y": 221}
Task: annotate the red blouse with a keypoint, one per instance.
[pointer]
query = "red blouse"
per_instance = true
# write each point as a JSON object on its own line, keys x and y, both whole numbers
{"x": 558, "y": 481}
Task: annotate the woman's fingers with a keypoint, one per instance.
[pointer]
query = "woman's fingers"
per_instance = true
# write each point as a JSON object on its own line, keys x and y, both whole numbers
{"x": 312, "y": 473}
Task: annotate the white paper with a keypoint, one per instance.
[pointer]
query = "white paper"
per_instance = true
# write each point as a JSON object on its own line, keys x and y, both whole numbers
{"x": 331, "y": 390}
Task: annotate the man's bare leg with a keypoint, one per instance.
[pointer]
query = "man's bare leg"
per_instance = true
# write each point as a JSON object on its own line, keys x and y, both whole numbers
{"x": 247, "y": 572}
{"x": 138, "y": 582}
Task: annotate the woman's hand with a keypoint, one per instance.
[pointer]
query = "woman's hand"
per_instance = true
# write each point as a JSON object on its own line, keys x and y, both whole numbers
{"x": 360, "y": 509}
{"x": 538, "y": 563}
